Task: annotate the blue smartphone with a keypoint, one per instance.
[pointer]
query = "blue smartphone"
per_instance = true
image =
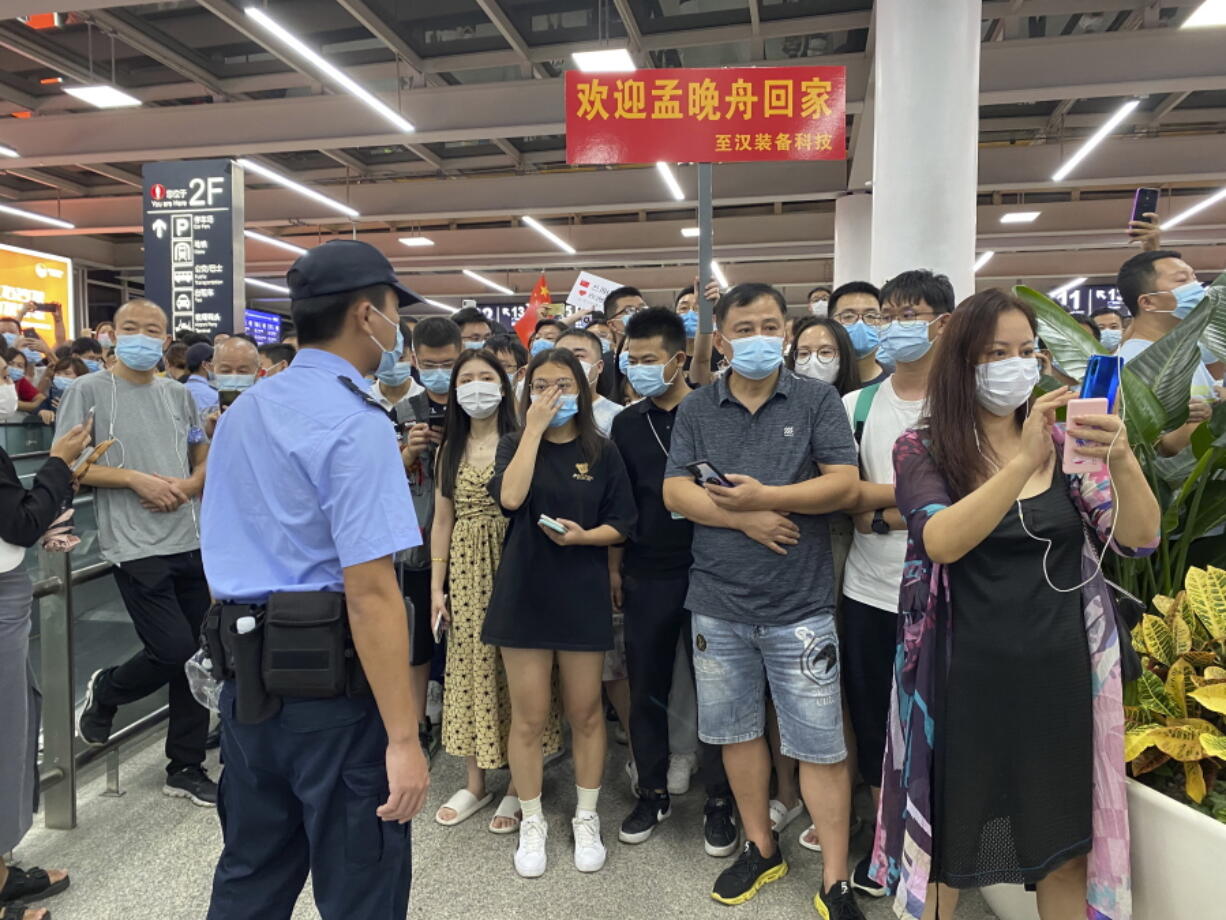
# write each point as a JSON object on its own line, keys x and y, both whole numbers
{"x": 1102, "y": 379}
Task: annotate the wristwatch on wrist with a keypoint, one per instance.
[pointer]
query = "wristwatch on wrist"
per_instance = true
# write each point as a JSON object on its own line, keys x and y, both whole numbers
{"x": 879, "y": 524}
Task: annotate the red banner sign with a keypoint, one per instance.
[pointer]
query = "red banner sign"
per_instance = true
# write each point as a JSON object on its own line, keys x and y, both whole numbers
{"x": 711, "y": 115}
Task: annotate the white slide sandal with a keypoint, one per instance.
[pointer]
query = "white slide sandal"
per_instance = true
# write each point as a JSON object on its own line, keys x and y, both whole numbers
{"x": 465, "y": 805}
{"x": 782, "y": 816}
{"x": 507, "y": 808}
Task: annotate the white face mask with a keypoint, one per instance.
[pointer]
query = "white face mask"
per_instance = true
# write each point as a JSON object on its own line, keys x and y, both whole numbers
{"x": 816, "y": 367}
{"x": 1002, "y": 386}
{"x": 479, "y": 398}
{"x": 820, "y": 307}
{"x": 587, "y": 369}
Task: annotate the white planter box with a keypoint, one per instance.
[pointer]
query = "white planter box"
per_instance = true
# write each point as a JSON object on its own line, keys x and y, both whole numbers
{"x": 1178, "y": 864}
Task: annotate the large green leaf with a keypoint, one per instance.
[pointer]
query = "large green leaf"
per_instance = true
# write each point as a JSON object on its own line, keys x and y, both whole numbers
{"x": 1167, "y": 365}
{"x": 1215, "y": 333}
{"x": 1212, "y": 510}
{"x": 1069, "y": 342}
{"x": 1144, "y": 415}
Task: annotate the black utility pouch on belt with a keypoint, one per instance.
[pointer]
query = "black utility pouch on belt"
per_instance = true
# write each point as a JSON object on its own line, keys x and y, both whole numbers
{"x": 253, "y": 703}
{"x": 305, "y": 635}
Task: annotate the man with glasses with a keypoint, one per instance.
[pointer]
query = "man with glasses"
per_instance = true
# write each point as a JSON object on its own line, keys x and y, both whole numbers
{"x": 475, "y": 327}
{"x": 819, "y": 301}
{"x": 436, "y": 347}
{"x": 857, "y": 305}
{"x": 513, "y": 357}
{"x": 916, "y": 306}
{"x": 619, "y": 306}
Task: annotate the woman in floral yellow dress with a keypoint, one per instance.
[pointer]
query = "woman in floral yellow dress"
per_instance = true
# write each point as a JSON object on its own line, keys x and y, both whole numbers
{"x": 467, "y": 533}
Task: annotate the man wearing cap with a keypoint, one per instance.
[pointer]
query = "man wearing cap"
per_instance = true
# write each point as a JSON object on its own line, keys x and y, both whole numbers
{"x": 327, "y": 784}
{"x": 199, "y": 370}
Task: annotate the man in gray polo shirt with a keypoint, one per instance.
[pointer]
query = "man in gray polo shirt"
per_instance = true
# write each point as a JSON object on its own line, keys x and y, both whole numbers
{"x": 762, "y": 585}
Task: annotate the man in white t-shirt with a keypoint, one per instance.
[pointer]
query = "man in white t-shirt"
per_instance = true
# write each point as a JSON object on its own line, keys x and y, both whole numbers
{"x": 590, "y": 352}
{"x": 1159, "y": 289}
{"x": 915, "y": 308}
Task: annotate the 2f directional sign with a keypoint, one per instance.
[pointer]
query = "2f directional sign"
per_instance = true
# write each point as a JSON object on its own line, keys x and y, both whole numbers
{"x": 194, "y": 263}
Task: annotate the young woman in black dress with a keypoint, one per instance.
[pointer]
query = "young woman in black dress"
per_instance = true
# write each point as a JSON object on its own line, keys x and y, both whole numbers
{"x": 1027, "y": 768}
{"x": 551, "y": 600}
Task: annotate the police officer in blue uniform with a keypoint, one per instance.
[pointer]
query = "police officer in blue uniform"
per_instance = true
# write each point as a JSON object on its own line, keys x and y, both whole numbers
{"x": 306, "y": 506}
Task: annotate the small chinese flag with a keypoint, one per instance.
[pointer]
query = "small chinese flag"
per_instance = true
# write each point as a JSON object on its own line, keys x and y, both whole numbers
{"x": 527, "y": 323}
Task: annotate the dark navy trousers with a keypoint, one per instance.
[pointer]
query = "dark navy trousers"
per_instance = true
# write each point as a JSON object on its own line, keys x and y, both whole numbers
{"x": 299, "y": 793}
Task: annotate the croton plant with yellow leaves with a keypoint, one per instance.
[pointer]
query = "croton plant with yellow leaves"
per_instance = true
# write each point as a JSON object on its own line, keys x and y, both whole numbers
{"x": 1175, "y": 714}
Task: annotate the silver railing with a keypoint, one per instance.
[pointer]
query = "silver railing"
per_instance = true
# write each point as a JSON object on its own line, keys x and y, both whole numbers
{"x": 60, "y": 588}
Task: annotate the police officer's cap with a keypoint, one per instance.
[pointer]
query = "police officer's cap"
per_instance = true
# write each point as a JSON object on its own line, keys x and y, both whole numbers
{"x": 339, "y": 266}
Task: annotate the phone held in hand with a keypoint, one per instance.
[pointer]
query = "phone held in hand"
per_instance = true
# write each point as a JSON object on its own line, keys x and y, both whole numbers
{"x": 705, "y": 472}
{"x": 1073, "y": 463}
{"x": 1102, "y": 379}
{"x": 546, "y": 521}
{"x": 1145, "y": 201}
{"x": 438, "y": 414}
{"x": 439, "y": 629}
{"x": 225, "y": 398}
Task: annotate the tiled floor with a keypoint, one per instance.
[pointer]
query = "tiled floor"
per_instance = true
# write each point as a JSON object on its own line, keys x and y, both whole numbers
{"x": 144, "y": 855}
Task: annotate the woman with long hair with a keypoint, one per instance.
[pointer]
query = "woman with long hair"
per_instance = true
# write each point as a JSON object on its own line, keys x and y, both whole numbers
{"x": 822, "y": 350}
{"x": 566, "y": 492}
{"x": 467, "y": 536}
{"x": 1004, "y": 760}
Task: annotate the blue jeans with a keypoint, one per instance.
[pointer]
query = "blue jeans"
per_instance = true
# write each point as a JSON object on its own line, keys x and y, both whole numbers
{"x": 734, "y": 662}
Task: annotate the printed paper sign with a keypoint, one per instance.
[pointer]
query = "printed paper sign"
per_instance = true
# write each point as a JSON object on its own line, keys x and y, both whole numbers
{"x": 590, "y": 291}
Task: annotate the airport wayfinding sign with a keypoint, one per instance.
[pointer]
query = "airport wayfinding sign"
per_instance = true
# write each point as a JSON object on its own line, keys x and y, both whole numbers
{"x": 706, "y": 115}
{"x": 194, "y": 252}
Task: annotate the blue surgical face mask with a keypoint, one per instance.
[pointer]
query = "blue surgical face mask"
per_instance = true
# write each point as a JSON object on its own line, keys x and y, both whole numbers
{"x": 541, "y": 345}
{"x": 389, "y": 357}
{"x": 237, "y": 382}
{"x": 623, "y": 362}
{"x": 400, "y": 372}
{"x": 905, "y": 341}
{"x": 568, "y": 408}
{"x": 474, "y": 345}
{"x": 61, "y": 383}
{"x": 139, "y": 352}
{"x": 1187, "y": 296}
{"x": 690, "y": 321}
{"x": 10, "y": 339}
{"x": 93, "y": 365}
{"x": 648, "y": 379}
{"x": 32, "y": 356}
{"x": 756, "y": 357}
{"x": 17, "y": 373}
{"x": 1110, "y": 338}
{"x": 864, "y": 338}
{"x": 435, "y": 379}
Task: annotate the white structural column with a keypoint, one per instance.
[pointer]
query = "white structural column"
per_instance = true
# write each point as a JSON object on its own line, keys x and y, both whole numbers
{"x": 853, "y": 238}
{"x": 925, "y": 152}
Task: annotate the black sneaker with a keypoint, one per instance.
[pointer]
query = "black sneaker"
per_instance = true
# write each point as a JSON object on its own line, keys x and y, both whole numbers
{"x": 719, "y": 827}
{"x": 95, "y": 721}
{"x": 839, "y": 903}
{"x": 741, "y": 881}
{"x": 650, "y": 810}
{"x": 191, "y": 783}
{"x": 865, "y": 883}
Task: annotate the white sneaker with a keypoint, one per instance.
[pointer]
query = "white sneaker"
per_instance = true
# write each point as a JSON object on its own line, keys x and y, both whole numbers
{"x": 590, "y": 852}
{"x": 680, "y": 768}
{"x": 530, "y": 855}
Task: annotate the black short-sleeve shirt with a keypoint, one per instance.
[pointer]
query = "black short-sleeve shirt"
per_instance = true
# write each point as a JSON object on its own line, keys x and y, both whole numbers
{"x": 550, "y": 596}
{"x": 660, "y": 543}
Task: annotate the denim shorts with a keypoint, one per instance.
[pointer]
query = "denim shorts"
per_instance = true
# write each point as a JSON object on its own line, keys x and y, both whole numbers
{"x": 733, "y": 662}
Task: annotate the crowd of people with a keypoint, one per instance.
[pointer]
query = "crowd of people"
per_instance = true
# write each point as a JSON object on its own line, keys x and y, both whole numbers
{"x": 794, "y": 554}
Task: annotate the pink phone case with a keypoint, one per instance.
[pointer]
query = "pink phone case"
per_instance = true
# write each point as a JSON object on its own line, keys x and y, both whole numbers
{"x": 1072, "y": 462}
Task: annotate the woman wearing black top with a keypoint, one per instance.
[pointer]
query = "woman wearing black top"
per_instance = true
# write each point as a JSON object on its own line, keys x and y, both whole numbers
{"x": 24, "y": 518}
{"x": 551, "y": 594}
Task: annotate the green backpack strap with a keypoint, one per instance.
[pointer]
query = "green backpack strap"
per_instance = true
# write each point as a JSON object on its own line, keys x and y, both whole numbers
{"x": 864, "y": 402}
